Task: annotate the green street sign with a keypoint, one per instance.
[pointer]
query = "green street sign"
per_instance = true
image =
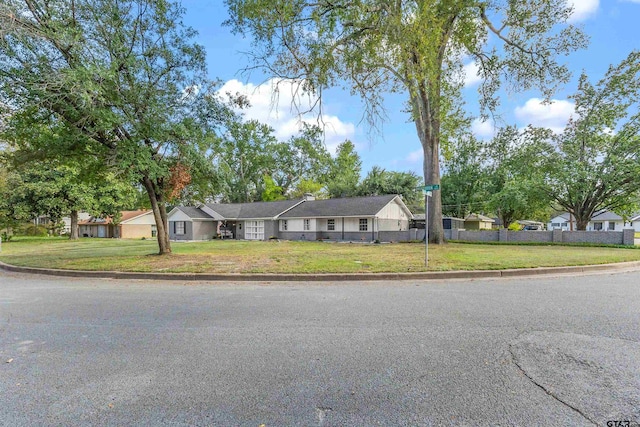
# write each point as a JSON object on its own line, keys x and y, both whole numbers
{"x": 431, "y": 187}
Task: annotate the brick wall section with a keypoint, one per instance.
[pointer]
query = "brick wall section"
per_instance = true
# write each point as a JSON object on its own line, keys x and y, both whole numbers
{"x": 629, "y": 237}
{"x": 479, "y": 236}
{"x": 604, "y": 237}
{"x": 625, "y": 237}
{"x": 530, "y": 236}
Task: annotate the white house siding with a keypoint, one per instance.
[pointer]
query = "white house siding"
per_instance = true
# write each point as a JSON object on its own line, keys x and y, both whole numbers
{"x": 393, "y": 211}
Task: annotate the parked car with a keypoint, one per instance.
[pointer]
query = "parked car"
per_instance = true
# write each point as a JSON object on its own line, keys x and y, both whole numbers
{"x": 533, "y": 227}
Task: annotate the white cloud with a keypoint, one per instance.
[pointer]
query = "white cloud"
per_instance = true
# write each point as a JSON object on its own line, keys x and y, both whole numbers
{"x": 483, "y": 130}
{"x": 583, "y": 9}
{"x": 283, "y": 106}
{"x": 471, "y": 76}
{"x": 554, "y": 115}
{"x": 414, "y": 157}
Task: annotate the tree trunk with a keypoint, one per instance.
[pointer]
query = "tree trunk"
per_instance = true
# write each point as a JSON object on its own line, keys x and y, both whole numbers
{"x": 581, "y": 224}
{"x": 431, "y": 169}
{"x": 74, "y": 234}
{"x": 428, "y": 127}
{"x": 160, "y": 216}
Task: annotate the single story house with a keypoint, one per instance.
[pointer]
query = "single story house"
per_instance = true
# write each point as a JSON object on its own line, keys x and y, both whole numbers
{"x": 601, "y": 221}
{"x": 478, "y": 222}
{"x": 355, "y": 218}
{"x": 132, "y": 225}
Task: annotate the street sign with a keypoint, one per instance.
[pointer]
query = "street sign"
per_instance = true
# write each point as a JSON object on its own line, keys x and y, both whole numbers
{"x": 428, "y": 193}
{"x": 431, "y": 187}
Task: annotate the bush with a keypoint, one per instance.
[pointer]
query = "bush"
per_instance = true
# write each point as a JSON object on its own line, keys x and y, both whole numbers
{"x": 514, "y": 226}
{"x": 34, "y": 230}
{"x": 6, "y": 237}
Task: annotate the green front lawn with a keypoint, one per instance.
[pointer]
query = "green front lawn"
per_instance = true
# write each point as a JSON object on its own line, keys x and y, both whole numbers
{"x": 294, "y": 257}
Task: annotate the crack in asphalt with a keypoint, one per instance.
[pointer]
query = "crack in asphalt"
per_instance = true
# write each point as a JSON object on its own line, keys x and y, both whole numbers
{"x": 548, "y": 392}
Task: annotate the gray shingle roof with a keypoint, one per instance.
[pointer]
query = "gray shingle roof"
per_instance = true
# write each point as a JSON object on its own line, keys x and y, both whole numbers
{"x": 252, "y": 210}
{"x": 194, "y": 213}
{"x": 351, "y": 206}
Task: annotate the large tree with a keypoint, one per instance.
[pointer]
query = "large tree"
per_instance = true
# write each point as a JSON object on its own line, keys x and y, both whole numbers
{"x": 596, "y": 163}
{"x": 380, "y": 181}
{"x": 465, "y": 178}
{"x": 123, "y": 76}
{"x": 343, "y": 178}
{"x": 373, "y": 47}
{"x": 517, "y": 172}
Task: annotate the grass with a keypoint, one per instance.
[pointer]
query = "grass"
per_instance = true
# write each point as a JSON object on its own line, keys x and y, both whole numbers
{"x": 294, "y": 257}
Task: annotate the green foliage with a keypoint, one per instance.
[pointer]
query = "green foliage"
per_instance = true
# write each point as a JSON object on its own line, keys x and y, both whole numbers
{"x": 374, "y": 47}
{"x": 344, "y": 174}
{"x": 121, "y": 80}
{"x": 465, "y": 180}
{"x": 307, "y": 186}
{"x": 272, "y": 192}
{"x": 379, "y": 181}
{"x": 514, "y": 226}
{"x": 595, "y": 163}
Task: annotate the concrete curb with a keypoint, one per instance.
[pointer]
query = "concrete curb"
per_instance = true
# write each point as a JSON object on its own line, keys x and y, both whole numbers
{"x": 320, "y": 277}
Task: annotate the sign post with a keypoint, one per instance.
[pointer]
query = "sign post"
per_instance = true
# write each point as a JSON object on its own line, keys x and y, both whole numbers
{"x": 428, "y": 192}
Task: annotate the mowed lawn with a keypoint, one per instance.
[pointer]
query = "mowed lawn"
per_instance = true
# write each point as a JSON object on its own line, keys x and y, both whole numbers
{"x": 294, "y": 257}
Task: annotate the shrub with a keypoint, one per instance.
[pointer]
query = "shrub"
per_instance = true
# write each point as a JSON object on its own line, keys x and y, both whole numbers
{"x": 34, "y": 230}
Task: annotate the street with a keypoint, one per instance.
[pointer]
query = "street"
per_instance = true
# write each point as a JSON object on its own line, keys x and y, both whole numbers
{"x": 531, "y": 351}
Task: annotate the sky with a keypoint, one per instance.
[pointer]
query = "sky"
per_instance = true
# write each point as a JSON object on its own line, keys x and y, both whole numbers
{"x": 612, "y": 26}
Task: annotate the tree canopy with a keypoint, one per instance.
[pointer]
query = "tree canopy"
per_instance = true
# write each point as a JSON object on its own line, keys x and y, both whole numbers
{"x": 595, "y": 163}
{"x": 124, "y": 79}
{"x": 373, "y": 47}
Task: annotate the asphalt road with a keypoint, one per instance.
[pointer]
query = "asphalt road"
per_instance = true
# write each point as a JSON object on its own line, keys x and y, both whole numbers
{"x": 545, "y": 351}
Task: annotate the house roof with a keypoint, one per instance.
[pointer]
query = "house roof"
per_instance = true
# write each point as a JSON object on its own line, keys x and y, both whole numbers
{"x": 478, "y": 217}
{"x": 128, "y": 215}
{"x": 193, "y": 212}
{"x": 96, "y": 221}
{"x": 421, "y": 217}
{"x": 253, "y": 209}
{"x": 348, "y": 206}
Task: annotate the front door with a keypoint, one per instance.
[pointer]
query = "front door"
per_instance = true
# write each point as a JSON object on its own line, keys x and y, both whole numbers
{"x": 254, "y": 230}
{"x": 102, "y": 231}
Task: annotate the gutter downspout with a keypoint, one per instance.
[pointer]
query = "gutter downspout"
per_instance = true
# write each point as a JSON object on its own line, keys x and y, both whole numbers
{"x": 342, "y": 228}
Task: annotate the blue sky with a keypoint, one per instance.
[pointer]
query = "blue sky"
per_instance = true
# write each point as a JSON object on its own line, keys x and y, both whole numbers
{"x": 612, "y": 26}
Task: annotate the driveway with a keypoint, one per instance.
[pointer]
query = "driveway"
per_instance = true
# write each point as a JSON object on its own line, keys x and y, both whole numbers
{"x": 549, "y": 351}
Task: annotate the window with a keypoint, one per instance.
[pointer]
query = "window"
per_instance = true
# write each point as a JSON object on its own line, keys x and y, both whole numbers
{"x": 254, "y": 230}
{"x": 597, "y": 226}
{"x": 180, "y": 226}
{"x": 331, "y": 224}
{"x": 284, "y": 225}
{"x": 307, "y": 225}
{"x": 612, "y": 226}
{"x": 364, "y": 224}
{"x": 154, "y": 231}
{"x": 555, "y": 225}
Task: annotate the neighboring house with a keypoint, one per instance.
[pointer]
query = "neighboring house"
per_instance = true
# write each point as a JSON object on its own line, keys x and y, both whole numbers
{"x": 601, "y": 221}
{"x": 82, "y": 216}
{"x": 478, "y": 222}
{"x": 97, "y": 227}
{"x": 448, "y": 222}
{"x": 355, "y": 218}
{"x": 137, "y": 224}
{"x": 132, "y": 225}
{"x": 564, "y": 222}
